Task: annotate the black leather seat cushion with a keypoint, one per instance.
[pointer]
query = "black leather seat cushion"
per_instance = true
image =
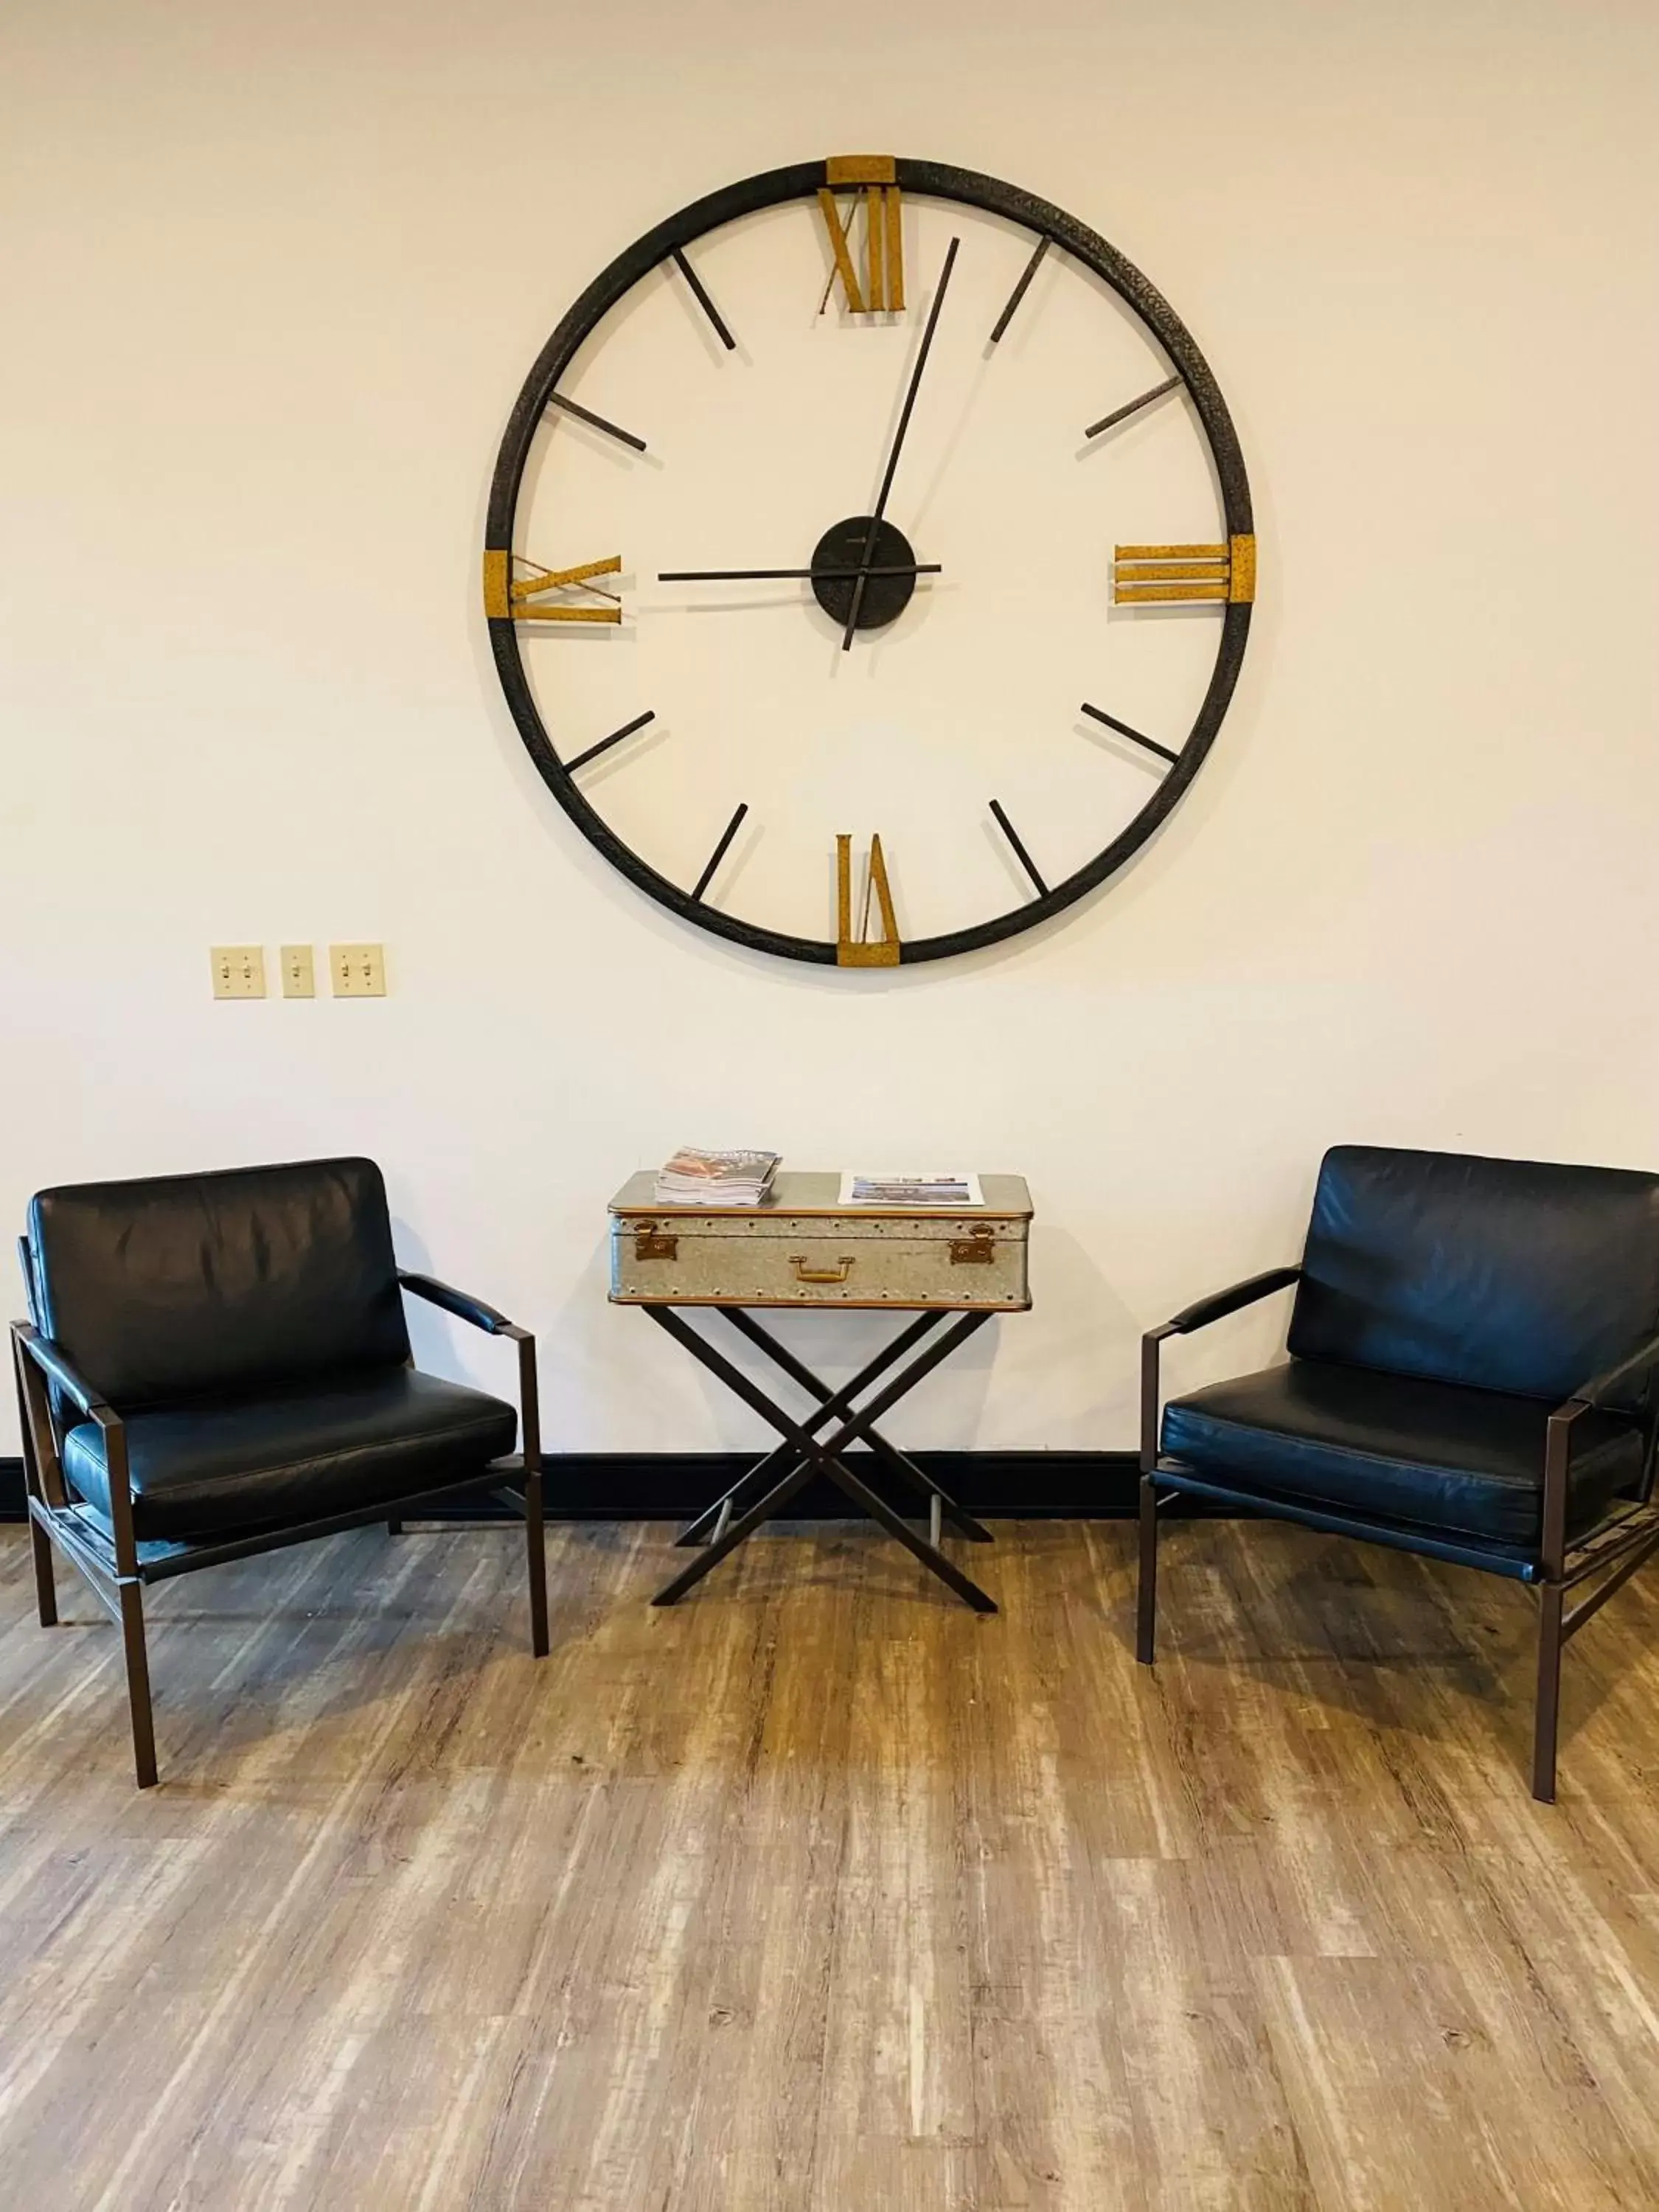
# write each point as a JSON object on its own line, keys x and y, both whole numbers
{"x": 216, "y": 1469}
{"x": 1436, "y": 1455}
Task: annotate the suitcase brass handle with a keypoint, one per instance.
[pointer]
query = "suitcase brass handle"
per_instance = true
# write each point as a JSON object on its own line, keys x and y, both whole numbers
{"x": 838, "y": 1273}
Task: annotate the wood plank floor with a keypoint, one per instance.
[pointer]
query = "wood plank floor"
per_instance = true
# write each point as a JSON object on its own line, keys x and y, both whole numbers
{"x": 820, "y": 1895}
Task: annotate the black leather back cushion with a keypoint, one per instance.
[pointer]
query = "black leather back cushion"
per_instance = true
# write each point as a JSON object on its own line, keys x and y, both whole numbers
{"x": 1505, "y": 1274}
{"x": 190, "y": 1285}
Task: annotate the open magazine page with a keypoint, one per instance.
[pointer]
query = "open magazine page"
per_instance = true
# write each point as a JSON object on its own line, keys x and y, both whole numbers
{"x": 869, "y": 1189}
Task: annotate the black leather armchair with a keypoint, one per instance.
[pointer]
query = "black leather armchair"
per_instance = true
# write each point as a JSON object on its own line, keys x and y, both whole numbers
{"x": 218, "y": 1365}
{"x": 1471, "y": 1375}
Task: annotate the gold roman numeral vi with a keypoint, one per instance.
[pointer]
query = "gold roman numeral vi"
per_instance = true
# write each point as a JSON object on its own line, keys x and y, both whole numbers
{"x": 1141, "y": 574}
{"x": 873, "y": 180}
{"x": 509, "y": 597}
{"x": 864, "y": 950}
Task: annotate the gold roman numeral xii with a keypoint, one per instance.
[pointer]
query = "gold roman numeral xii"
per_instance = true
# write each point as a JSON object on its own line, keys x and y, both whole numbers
{"x": 509, "y": 597}
{"x": 874, "y": 178}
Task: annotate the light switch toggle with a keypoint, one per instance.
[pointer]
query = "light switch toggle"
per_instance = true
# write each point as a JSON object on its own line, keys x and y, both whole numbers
{"x": 358, "y": 970}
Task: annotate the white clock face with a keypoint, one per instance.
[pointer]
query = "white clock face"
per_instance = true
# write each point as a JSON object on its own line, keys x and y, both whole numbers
{"x": 954, "y": 689}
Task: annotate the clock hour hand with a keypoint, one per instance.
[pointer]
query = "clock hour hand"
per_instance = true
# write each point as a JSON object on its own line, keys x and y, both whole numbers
{"x": 806, "y": 576}
{"x": 898, "y": 443}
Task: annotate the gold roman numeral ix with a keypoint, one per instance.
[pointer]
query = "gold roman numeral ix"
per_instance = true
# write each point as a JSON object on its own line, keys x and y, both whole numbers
{"x": 872, "y": 177}
{"x": 1143, "y": 574}
{"x": 509, "y": 597}
{"x": 864, "y": 950}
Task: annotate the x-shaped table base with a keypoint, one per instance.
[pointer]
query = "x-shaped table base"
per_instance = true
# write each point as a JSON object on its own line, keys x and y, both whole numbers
{"x": 770, "y": 1484}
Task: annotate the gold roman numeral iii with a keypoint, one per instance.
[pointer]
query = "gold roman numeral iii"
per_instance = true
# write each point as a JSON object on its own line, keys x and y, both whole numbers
{"x": 872, "y": 177}
{"x": 509, "y": 597}
{"x": 864, "y": 950}
{"x": 1144, "y": 574}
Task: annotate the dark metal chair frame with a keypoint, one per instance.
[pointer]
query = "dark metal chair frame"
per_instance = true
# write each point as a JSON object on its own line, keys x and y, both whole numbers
{"x": 1607, "y": 1555}
{"x": 117, "y": 1564}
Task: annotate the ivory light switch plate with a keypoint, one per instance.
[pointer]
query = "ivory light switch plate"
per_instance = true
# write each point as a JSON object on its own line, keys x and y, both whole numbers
{"x": 299, "y": 975}
{"x": 239, "y": 971}
{"x": 359, "y": 970}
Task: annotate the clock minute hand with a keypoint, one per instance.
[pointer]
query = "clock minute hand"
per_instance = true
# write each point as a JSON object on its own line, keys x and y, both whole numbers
{"x": 864, "y": 570}
{"x": 807, "y": 575}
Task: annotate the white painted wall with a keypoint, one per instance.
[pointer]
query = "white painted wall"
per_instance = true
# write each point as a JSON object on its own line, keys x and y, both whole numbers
{"x": 271, "y": 277}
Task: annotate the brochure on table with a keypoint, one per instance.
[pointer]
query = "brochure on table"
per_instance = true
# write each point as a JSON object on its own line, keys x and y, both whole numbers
{"x": 863, "y": 1186}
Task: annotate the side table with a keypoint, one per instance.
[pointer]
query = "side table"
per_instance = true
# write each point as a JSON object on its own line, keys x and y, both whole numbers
{"x": 950, "y": 1270}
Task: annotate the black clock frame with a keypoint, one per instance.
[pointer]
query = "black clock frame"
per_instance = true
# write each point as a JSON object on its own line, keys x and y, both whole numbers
{"x": 930, "y": 180}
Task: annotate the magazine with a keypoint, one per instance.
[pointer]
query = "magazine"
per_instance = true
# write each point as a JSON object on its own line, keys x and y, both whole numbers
{"x": 892, "y": 1189}
{"x": 732, "y": 1178}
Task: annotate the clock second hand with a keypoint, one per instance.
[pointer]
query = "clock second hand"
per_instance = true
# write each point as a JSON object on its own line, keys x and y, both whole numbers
{"x": 864, "y": 570}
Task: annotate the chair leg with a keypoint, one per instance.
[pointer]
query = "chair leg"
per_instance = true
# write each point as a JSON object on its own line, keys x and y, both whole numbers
{"x": 46, "y": 1588}
{"x": 143, "y": 1727}
{"x": 1146, "y": 1595}
{"x": 1547, "y": 1712}
{"x": 536, "y": 1546}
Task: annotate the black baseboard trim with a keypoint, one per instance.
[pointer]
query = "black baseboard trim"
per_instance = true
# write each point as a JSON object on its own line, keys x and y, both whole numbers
{"x": 999, "y": 1486}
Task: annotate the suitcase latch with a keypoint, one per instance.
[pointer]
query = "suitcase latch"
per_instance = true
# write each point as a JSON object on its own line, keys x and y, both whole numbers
{"x": 655, "y": 1244}
{"x": 977, "y": 1250}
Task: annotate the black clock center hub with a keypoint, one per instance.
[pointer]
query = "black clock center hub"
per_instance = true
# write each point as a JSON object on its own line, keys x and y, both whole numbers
{"x": 838, "y": 556}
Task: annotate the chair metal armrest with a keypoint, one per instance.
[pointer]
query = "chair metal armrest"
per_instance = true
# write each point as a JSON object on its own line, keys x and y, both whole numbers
{"x": 117, "y": 1475}
{"x": 1220, "y": 1304}
{"x": 1557, "y": 1449}
{"x": 1595, "y": 1392}
{"x": 44, "y": 1356}
{"x": 464, "y": 1307}
{"x": 461, "y": 1303}
{"x": 1216, "y": 1306}
{"x": 51, "y": 1362}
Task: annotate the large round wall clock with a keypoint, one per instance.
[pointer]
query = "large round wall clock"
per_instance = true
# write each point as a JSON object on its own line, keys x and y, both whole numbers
{"x": 869, "y": 561}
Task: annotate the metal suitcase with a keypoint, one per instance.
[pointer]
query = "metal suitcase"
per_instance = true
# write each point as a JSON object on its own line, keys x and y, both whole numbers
{"x": 803, "y": 1249}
